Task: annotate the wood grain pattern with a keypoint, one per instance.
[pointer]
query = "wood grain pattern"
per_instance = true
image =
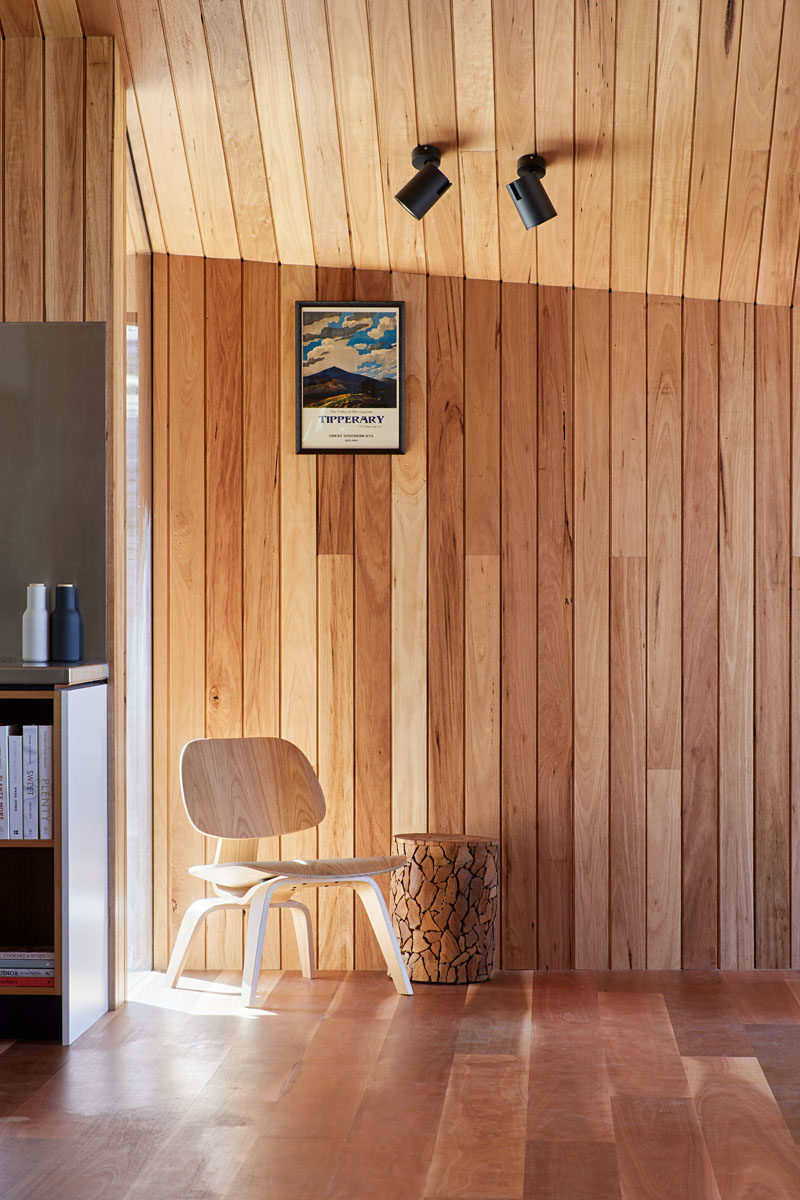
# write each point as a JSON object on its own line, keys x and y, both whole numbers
{"x": 794, "y": 682}
{"x": 261, "y": 487}
{"x": 160, "y": 680}
{"x": 555, "y": 623}
{"x": 435, "y": 95}
{"x": 641, "y": 1053}
{"x": 717, "y": 66}
{"x": 732, "y": 1100}
{"x": 479, "y": 692}
{"x": 663, "y": 534}
{"x": 481, "y": 417}
{"x": 554, "y": 28}
{"x": 736, "y": 633}
{"x": 519, "y": 477}
{"x": 664, "y": 907}
{"x": 19, "y": 19}
{"x": 98, "y": 19}
{"x": 634, "y": 100}
{"x": 445, "y": 556}
{"x": 591, "y": 630}
{"x": 23, "y": 202}
{"x": 393, "y": 74}
{"x": 660, "y": 1150}
{"x": 261, "y": 422}
{"x": 700, "y": 621}
{"x": 350, "y": 1037}
{"x": 157, "y": 106}
{"x": 595, "y": 50}
{"x": 98, "y": 195}
{"x": 186, "y": 464}
{"x": 678, "y": 32}
{"x": 312, "y": 78}
{"x": 482, "y": 694}
{"x": 63, "y": 166}
{"x": 491, "y": 1162}
{"x": 755, "y": 102}
{"x": 298, "y": 635}
{"x": 628, "y": 758}
{"x": 238, "y": 119}
{"x": 778, "y": 257}
{"x": 194, "y": 93}
{"x": 487, "y": 79}
{"x": 223, "y": 548}
{"x": 59, "y": 18}
{"x": 516, "y": 129}
{"x": 336, "y": 751}
{"x": 473, "y": 67}
{"x": 628, "y": 425}
{"x": 272, "y": 84}
{"x": 794, "y": 765}
{"x": 358, "y": 131}
{"x": 772, "y": 546}
{"x": 566, "y": 1171}
{"x": 372, "y": 651}
{"x": 409, "y": 576}
{"x": 335, "y": 471}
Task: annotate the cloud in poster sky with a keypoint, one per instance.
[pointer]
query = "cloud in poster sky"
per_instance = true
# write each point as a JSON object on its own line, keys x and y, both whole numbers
{"x": 362, "y": 342}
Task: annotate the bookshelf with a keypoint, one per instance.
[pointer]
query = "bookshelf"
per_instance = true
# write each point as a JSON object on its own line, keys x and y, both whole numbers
{"x": 53, "y": 892}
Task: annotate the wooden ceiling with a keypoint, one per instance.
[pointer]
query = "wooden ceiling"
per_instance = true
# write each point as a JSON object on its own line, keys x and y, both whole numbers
{"x": 281, "y": 129}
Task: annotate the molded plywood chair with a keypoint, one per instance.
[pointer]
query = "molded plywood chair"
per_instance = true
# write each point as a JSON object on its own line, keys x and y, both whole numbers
{"x": 242, "y": 789}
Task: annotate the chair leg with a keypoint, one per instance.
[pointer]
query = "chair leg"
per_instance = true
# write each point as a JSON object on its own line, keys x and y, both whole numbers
{"x": 254, "y": 942}
{"x": 304, "y": 932}
{"x": 195, "y": 913}
{"x": 375, "y": 907}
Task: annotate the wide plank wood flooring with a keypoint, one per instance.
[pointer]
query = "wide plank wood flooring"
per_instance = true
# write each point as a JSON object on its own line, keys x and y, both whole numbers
{"x": 556, "y": 1086}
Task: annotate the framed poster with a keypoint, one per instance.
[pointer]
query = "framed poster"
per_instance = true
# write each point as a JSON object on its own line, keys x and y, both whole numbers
{"x": 350, "y": 377}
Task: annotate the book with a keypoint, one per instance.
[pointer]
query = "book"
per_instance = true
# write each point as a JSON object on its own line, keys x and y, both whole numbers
{"x": 14, "y": 781}
{"x": 26, "y": 972}
{"x": 24, "y": 981}
{"x": 45, "y": 781}
{"x": 30, "y": 781}
{"x": 22, "y": 964}
{"x": 3, "y": 781}
{"x": 43, "y": 952}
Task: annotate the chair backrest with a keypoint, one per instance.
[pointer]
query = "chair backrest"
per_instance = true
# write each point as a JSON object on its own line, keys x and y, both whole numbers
{"x": 249, "y": 787}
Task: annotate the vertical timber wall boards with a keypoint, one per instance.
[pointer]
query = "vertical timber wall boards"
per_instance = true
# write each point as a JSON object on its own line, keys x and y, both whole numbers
{"x": 62, "y": 256}
{"x": 564, "y": 618}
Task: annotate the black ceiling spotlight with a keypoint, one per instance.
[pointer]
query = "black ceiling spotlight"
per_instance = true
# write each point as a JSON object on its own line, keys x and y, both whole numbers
{"x": 423, "y": 189}
{"x": 533, "y": 203}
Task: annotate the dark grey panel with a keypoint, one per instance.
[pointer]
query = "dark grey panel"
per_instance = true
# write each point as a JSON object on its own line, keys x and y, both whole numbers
{"x": 53, "y": 472}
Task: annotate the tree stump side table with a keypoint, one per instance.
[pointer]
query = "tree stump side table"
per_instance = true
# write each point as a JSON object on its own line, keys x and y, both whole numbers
{"x": 444, "y": 906}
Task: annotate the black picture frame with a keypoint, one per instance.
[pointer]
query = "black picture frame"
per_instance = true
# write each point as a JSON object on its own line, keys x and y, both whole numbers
{"x": 354, "y": 426}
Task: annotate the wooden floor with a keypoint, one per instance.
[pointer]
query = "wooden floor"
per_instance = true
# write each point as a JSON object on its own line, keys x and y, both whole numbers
{"x": 553, "y": 1086}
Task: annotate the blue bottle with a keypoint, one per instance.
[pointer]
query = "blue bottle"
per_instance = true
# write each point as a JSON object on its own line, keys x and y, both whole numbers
{"x": 66, "y": 631}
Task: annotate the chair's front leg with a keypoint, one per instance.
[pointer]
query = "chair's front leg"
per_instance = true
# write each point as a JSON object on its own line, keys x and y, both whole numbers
{"x": 254, "y": 943}
{"x": 375, "y": 906}
{"x": 304, "y": 932}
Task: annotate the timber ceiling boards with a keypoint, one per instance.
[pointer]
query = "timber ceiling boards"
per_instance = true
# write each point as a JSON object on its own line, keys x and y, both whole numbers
{"x": 280, "y": 130}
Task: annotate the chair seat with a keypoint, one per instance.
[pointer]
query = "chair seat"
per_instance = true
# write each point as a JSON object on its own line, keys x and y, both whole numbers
{"x": 246, "y": 874}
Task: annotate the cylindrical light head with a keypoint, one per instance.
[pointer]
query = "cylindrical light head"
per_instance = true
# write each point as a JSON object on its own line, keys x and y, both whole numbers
{"x": 533, "y": 203}
{"x": 423, "y": 189}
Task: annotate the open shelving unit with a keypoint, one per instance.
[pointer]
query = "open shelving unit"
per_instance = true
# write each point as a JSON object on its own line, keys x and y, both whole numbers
{"x": 53, "y": 892}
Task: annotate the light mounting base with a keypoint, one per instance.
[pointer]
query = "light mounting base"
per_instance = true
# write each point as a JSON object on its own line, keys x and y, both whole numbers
{"x": 531, "y": 164}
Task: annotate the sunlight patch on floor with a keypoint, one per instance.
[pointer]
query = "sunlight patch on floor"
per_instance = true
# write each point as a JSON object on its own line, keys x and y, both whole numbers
{"x": 204, "y": 993}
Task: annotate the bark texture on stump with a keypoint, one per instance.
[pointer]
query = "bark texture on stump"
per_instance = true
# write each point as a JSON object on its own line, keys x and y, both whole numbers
{"x": 444, "y": 905}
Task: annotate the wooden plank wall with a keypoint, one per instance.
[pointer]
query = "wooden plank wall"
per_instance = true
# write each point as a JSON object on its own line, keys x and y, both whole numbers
{"x": 563, "y": 618}
{"x": 62, "y": 258}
